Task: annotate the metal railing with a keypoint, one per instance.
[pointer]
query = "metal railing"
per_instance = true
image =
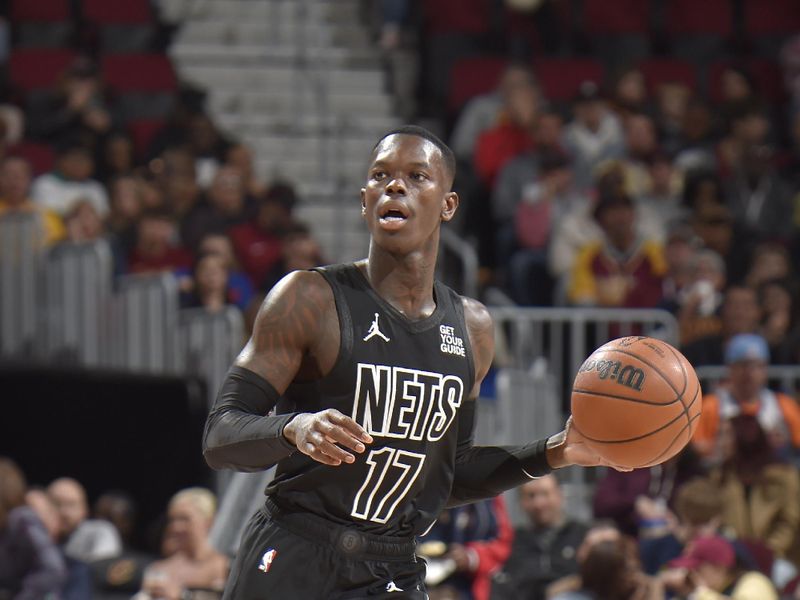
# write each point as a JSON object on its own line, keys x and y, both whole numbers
{"x": 784, "y": 378}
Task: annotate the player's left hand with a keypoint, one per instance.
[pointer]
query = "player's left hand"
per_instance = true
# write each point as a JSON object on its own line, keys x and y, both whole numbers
{"x": 572, "y": 449}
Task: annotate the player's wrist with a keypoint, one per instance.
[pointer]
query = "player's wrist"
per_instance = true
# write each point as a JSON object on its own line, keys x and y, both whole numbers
{"x": 555, "y": 450}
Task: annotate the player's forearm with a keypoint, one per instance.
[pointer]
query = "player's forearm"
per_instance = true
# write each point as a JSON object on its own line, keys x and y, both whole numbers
{"x": 245, "y": 442}
{"x": 486, "y": 471}
{"x": 238, "y": 436}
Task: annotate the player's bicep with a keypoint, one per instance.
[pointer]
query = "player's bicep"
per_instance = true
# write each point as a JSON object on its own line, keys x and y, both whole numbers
{"x": 481, "y": 337}
{"x": 286, "y": 325}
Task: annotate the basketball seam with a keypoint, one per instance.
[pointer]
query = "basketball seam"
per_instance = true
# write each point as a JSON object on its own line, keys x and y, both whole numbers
{"x": 679, "y": 395}
{"x": 620, "y": 397}
{"x": 657, "y": 458}
{"x": 644, "y": 435}
{"x": 685, "y": 385}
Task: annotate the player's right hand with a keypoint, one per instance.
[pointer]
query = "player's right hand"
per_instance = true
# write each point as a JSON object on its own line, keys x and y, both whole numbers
{"x": 324, "y": 435}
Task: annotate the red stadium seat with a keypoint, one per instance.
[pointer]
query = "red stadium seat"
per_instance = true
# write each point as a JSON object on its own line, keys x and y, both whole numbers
{"x": 456, "y": 16}
{"x": 117, "y": 12}
{"x": 710, "y": 17}
{"x": 471, "y": 77}
{"x": 765, "y": 17}
{"x": 32, "y": 69}
{"x": 664, "y": 70}
{"x": 41, "y": 156}
{"x": 142, "y": 132}
{"x": 560, "y": 78}
{"x": 138, "y": 72}
{"x": 40, "y": 10}
{"x": 766, "y": 74}
{"x": 619, "y": 16}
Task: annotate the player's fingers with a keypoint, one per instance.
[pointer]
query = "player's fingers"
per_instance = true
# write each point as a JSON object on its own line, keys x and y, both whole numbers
{"x": 339, "y": 435}
{"x": 335, "y": 452}
{"x": 350, "y": 425}
{"x": 314, "y": 452}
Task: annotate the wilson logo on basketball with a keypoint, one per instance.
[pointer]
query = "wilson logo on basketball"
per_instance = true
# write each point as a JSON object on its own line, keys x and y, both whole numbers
{"x": 627, "y": 375}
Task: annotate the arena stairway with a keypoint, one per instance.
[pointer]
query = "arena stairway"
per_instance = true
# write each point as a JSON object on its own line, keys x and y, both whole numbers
{"x": 301, "y": 82}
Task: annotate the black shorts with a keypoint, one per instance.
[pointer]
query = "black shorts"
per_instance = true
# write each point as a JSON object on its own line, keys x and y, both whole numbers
{"x": 300, "y": 556}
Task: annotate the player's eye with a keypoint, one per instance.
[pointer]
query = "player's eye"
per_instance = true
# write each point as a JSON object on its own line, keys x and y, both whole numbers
{"x": 418, "y": 176}
{"x": 378, "y": 175}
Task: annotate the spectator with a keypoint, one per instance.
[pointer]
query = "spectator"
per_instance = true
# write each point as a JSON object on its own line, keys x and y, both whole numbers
{"x": 760, "y": 493}
{"x": 740, "y": 313}
{"x": 714, "y": 226}
{"x": 78, "y": 584}
{"x": 622, "y": 269}
{"x": 82, "y": 538}
{"x": 697, "y": 148}
{"x": 672, "y": 102}
{"x": 749, "y": 128}
{"x": 83, "y": 224}
{"x": 708, "y": 571}
{"x": 542, "y": 551}
{"x": 210, "y": 284}
{"x": 466, "y": 546}
{"x": 630, "y": 93}
{"x": 485, "y": 111}
{"x": 226, "y": 207}
{"x": 737, "y": 89}
{"x": 240, "y": 290}
{"x": 299, "y": 252}
{"x": 778, "y": 300}
{"x": 594, "y": 136}
{"x": 240, "y": 156}
{"x": 699, "y": 303}
{"x": 208, "y": 147}
{"x": 679, "y": 253}
{"x": 759, "y": 199}
{"x": 747, "y": 357}
{"x": 71, "y": 180}
{"x": 513, "y": 136}
{"x": 74, "y": 110}
{"x": 156, "y": 249}
{"x": 15, "y": 183}
{"x": 609, "y": 570}
{"x": 524, "y": 235}
{"x": 639, "y": 499}
{"x": 662, "y": 197}
{"x": 258, "y": 242}
{"x": 31, "y": 567}
{"x": 116, "y": 157}
{"x": 770, "y": 262}
{"x": 192, "y": 562}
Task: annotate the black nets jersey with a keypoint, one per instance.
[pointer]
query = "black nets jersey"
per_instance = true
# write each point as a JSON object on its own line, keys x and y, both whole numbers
{"x": 404, "y": 382}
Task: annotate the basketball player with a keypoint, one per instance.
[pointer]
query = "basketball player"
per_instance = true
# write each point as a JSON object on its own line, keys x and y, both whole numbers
{"x": 373, "y": 369}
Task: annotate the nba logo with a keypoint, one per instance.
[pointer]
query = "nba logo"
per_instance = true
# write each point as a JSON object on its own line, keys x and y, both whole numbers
{"x": 266, "y": 560}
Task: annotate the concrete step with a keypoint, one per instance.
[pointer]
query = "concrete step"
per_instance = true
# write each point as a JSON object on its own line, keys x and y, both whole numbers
{"x": 275, "y": 32}
{"x": 338, "y": 227}
{"x": 295, "y": 104}
{"x": 268, "y": 55}
{"x": 346, "y": 151}
{"x": 177, "y": 11}
{"x": 268, "y": 124}
{"x": 252, "y": 77}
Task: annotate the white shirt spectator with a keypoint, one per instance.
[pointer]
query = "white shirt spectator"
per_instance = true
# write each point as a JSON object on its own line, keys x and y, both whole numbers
{"x": 94, "y": 540}
{"x": 60, "y": 195}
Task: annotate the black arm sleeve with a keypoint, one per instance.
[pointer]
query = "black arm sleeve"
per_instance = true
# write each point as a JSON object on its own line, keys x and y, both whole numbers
{"x": 486, "y": 471}
{"x": 239, "y": 435}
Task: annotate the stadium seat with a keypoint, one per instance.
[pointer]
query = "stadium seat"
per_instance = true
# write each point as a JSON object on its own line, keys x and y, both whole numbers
{"x": 41, "y": 156}
{"x": 665, "y": 70}
{"x": 138, "y": 72}
{"x": 455, "y": 16}
{"x": 766, "y": 74}
{"x": 129, "y": 11}
{"x": 35, "y": 69}
{"x": 766, "y": 17}
{"x": 41, "y": 23}
{"x": 142, "y": 132}
{"x": 684, "y": 17}
{"x": 560, "y": 78}
{"x": 619, "y": 16}
{"x": 470, "y": 77}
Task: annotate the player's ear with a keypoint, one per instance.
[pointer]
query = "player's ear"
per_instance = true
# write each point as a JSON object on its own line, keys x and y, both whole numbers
{"x": 363, "y": 201}
{"x": 449, "y": 205}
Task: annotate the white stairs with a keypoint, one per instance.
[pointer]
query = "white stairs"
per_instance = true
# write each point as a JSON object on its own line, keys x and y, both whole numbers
{"x": 301, "y": 82}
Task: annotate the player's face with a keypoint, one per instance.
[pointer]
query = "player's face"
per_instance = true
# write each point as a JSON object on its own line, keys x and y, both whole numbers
{"x": 407, "y": 194}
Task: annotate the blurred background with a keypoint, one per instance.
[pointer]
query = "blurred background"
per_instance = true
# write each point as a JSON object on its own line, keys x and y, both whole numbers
{"x": 624, "y": 167}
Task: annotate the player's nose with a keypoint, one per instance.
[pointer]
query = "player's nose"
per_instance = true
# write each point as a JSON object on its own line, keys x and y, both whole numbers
{"x": 396, "y": 185}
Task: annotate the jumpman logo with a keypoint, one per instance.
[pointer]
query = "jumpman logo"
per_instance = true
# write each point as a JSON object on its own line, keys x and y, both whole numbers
{"x": 392, "y": 587}
{"x": 374, "y": 330}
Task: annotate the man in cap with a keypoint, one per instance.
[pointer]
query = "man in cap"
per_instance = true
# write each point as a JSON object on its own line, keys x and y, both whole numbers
{"x": 746, "y": 392}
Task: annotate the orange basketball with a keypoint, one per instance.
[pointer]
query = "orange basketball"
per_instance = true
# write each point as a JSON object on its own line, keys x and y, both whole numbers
{"x": 637, "y": 401}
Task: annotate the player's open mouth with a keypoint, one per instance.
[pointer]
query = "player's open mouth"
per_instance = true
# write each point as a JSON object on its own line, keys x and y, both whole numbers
{"x": 392, "y": 216}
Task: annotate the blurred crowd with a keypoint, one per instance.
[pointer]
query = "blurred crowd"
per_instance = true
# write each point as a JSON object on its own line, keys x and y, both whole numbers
{"x": 54, "y": 545}
{"x": 188, "y": 203}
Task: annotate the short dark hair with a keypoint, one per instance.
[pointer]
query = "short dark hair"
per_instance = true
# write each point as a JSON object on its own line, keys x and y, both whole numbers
{"x": 448, "y": 156}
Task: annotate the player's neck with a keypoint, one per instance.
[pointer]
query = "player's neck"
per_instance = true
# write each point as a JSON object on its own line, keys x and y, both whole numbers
{"x": 405, "y": 282}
